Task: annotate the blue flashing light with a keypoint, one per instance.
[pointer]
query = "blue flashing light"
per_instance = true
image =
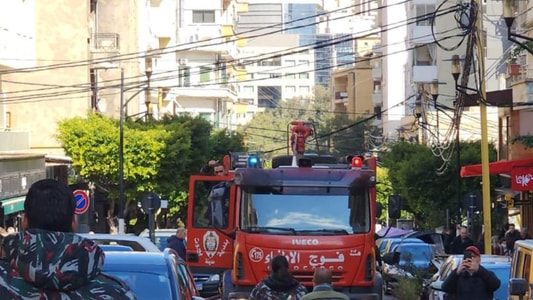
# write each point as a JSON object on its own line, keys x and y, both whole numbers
{"x": 253, "y": 161}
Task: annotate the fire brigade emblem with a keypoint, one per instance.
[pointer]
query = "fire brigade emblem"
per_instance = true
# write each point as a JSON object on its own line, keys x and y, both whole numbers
{"x": 211, "y": 243}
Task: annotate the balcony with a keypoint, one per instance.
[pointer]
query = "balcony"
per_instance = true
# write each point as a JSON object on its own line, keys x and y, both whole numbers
{"x": 523, "y": 92}
{"x": 209, "y": 38}
{"x": 424, "y": 73}
{"x": 105, "y": 42}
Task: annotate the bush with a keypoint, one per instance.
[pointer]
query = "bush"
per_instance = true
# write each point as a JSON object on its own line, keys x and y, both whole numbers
{"x": 407, "y": 289}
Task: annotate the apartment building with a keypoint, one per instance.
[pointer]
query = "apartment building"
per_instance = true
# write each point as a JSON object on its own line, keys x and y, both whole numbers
{"x": 40, "y": 82}
{"x": 195, "y": 66}
{"x": 276, "y": 71}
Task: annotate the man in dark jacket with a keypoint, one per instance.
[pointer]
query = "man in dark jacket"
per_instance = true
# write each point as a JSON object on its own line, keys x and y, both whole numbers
{"x": 177, "y": 242}
{"x": 511, "y": 236}
{"x": 47, "y": 260}
{"x": 461, "y": 242}
{"x": 280, "y": 284}
{"x": 471, "y": 280}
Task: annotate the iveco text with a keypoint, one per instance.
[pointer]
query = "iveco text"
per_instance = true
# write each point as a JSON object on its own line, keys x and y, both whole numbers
{"x": 303, "y": 242}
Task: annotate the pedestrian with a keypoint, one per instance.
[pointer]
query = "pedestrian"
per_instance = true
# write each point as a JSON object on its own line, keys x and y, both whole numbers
{"x": 178, "y": 242}
{"x": 213, "y": 167}
{"x": 448, "y": 236}
{"x": 470, "y": 280}
{"x": 524, "y": 234}
{"x": 497, "y": 248}
{"x": 461, "y": 242}
{"x": 47, "y": 260}
{"x": 280, "y": 284}
{"x": 322, "y": 287}
{"x": 511, "y": 236}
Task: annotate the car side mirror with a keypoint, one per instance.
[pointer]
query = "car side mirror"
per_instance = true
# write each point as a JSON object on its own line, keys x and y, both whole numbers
{"x": 517, "y": 286}
{"x": 391, "y": 258}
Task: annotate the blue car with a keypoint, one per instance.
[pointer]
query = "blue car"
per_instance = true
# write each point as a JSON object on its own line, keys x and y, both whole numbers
{"x": 411, "y": 257}
{"x": 151, "y": 275}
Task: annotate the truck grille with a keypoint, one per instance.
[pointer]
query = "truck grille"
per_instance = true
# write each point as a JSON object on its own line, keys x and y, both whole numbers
{"x": 307, "y": 276}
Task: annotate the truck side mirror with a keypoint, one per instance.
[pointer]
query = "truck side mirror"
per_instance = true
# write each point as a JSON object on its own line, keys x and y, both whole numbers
{"x": 379, "y": 209}
{"x": 517, "y": 286}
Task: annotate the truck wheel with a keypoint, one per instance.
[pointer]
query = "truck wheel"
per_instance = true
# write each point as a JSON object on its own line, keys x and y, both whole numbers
{"x": 227, "y": 285}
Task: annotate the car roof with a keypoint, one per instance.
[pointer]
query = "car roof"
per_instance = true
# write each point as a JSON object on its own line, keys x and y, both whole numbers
{"x": 146, "y": 262}
{"x": 159, "y": 232}
{"x": 135, "y": 242}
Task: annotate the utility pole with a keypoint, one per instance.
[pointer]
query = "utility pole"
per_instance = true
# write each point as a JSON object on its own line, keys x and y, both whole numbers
{"x": 485, "y": 178}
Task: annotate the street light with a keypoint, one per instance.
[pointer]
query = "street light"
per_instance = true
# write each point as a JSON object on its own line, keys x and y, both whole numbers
{"x": 509, "y": 17}
{"x": 123, "y": 104}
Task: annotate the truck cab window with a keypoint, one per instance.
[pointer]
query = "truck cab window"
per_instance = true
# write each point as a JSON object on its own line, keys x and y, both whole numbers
{"x": 211, "y": 204}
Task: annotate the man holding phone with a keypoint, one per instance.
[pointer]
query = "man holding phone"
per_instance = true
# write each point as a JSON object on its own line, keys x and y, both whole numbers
{"x": 470, "y": 280}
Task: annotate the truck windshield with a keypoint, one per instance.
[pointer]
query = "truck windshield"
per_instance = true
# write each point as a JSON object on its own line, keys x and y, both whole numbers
{"x": 305, "y": 214}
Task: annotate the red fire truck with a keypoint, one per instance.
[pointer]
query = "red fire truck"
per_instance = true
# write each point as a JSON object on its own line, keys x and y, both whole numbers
{"x": 314, "y": 212}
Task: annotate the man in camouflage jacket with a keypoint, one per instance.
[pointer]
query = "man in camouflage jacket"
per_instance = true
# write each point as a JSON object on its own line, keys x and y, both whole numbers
{"x": 47, "y": 261}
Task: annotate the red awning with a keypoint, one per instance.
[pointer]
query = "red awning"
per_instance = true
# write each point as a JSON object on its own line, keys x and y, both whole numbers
{"x": 497, "y": 167}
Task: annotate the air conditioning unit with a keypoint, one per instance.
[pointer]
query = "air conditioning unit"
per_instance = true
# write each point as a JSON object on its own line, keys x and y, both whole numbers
{"x": 183, "y": 61}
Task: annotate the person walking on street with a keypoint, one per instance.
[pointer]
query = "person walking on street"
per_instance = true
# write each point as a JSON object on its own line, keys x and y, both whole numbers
{"x": 461, "y": 242}
{"x": 511, "y": 236}
{"x": 47, "y": 260}
{"x": 280, "y": 284}
{"x": 470, "y": 280}
{"x": 178, "y": 243}
{"x": 524, "y": 234}
{"x": 322, "y": 287}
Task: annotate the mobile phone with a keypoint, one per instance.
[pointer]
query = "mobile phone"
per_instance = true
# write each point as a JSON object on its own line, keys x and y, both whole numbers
{"x": 467, "y": 255}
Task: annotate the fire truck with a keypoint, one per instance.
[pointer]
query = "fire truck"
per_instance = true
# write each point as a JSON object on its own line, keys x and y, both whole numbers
{"x": 317, "y": 211}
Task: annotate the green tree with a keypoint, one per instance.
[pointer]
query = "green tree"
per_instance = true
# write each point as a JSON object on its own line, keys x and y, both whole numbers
{"x": 159, "y": 155}
{"x": 412, "y": 172}
{"x": 92, "y": 143}
{"x": 268, "y": 130}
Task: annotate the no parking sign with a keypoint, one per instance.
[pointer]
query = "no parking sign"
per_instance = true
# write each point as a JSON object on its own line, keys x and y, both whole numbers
{"x": 82, "y": 202}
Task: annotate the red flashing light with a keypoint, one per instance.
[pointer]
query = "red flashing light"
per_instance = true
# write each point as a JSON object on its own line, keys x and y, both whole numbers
{"x": 357, "y": 162}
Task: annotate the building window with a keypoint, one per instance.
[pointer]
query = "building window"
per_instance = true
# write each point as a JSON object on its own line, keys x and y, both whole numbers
{"x": 290, "y": 63}
{"x": 290, "y": 76}
{"x": 424, "y": 14}
{"x": 248, "y": 88}
{"x": 206, "y": 116}
{"x": 186, "y": 76}
{"x": 304, "y": 89}
{"x": 290, "y": 89}
{"x": 303, "y": 62}
{"x": 205, "y": 73}
{"x": 203, "y": 16}
{"x": 303, "y": 75}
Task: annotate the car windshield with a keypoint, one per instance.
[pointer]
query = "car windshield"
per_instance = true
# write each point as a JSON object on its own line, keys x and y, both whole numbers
{"x": 305, "y": 214}
{"x": 415, "y": 254}
{"x": 146, "y": 286}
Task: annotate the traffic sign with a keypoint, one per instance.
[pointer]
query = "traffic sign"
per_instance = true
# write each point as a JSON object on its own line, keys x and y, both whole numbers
{"x": 82, "y": 202}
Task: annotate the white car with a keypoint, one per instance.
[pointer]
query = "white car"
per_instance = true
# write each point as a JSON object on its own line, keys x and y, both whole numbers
{"x": 161, "y": 236}
{"x": 136, "y": 243}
